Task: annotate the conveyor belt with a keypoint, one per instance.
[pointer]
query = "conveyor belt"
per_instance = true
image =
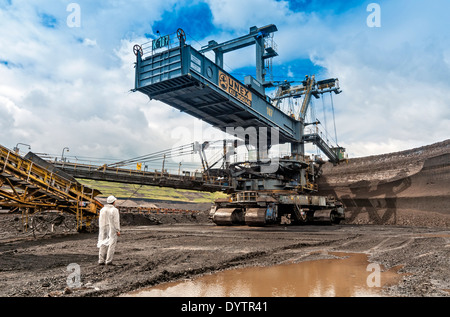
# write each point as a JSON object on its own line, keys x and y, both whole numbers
{"x": 26, "y": 185}
{"x": 128, "y": 176}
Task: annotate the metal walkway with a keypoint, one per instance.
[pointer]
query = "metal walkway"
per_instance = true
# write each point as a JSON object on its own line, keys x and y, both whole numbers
{"x": 31, "y": 185}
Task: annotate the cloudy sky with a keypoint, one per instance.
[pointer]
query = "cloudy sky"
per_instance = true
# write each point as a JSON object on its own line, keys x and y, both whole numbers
{"x": 67, "y": 69}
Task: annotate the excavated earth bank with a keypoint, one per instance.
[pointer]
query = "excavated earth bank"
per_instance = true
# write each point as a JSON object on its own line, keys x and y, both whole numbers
{"x": 398, "y": 213}
{"x": 410, "y": 188}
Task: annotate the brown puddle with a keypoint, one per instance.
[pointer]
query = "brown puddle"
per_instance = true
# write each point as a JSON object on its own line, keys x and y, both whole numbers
{"x": 349, "y": 276}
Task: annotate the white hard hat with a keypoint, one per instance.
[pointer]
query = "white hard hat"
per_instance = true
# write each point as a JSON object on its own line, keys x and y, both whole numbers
{"x": 111, "y": 199}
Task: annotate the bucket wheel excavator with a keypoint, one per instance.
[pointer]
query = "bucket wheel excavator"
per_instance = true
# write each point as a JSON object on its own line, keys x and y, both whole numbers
{"x": 264, "y": 190}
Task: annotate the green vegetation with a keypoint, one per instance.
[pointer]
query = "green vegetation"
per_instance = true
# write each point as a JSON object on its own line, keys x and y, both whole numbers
{"x": 126, "y": 191}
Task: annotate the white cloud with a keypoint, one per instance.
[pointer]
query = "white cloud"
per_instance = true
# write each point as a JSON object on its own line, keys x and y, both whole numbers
{"x": 58, "y": 91}
{"x": 89, "y": 42}
{"x": 239, "y": 16}
{"x": 394, "y": 82}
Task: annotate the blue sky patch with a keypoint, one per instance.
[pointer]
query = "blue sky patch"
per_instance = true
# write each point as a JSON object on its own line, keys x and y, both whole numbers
{"x": 48, "y": 20}
{"x": 9, "y": 64}
{"x": 336, "y": 7}
{"x": 195, "y": 20}
{"x": 5, "y": 3}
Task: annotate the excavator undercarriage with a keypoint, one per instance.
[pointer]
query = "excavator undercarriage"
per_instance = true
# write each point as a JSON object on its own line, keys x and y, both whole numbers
{"x": 287, "y": 196}
{"x": 259, "y": 208}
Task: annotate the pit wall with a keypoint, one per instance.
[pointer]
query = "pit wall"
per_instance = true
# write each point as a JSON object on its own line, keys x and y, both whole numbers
{"x": 405, "y": 188}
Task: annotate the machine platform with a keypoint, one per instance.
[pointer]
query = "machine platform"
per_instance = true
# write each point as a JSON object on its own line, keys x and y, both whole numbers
{"x": 187, "y": 80}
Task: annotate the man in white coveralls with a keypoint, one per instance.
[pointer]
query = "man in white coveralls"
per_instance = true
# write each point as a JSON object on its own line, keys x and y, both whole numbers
{"x": 109, "y": 230}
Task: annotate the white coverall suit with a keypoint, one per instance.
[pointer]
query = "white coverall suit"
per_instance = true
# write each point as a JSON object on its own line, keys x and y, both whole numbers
{"x": 109, "y": 226}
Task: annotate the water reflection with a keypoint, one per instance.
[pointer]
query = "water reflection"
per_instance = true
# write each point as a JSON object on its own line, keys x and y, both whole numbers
{"x": 339, "y": 277}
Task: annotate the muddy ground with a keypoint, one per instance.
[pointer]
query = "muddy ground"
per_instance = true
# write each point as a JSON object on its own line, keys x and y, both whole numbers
{"x": 175, "y": 247}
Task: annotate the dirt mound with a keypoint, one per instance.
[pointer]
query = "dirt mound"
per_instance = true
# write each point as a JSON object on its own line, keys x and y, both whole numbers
{"x": 54, "y": 223}
{"x": 405, "y": 188}
{"x": 143, "y": 212}
{"x": 146, "y": 219}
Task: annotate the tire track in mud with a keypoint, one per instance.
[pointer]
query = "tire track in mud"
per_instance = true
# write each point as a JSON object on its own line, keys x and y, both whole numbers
{"x": 379, "y": 247}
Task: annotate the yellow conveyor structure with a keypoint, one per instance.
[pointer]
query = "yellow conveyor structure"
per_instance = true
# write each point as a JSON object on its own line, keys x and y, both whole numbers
{"x": 31, "y": 185}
